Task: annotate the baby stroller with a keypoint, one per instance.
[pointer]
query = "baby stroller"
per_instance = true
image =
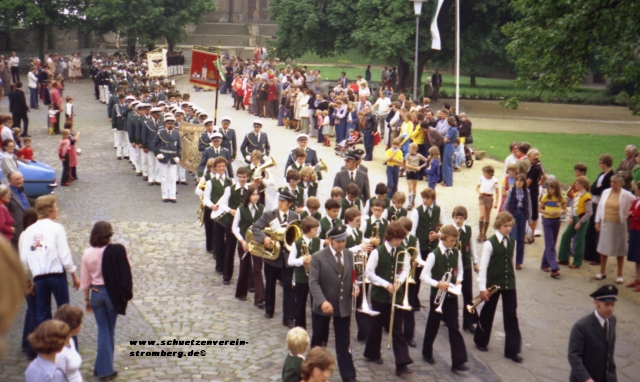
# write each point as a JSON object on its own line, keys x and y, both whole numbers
{"x": 348, "y": 144}
{"x": 469, "y": 155}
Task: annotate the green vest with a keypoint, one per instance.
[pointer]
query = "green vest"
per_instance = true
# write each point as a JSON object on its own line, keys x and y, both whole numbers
{"x": 500, "y": 270}
{"x": 464, "y": 242}
{"x": 382, "y": 227}
{"x": 391, "y": 211}
{"x": 235, "y": 199}
{"x": 386, "y": 269}
{"x": 246, "y": 220}
{"x": 316, "y": 216}
{"x": 217, "y": 189}
{"x": 345, "y": 205}
{"x": 299, "y": 272}
{"x": 313, "y": 188}
{"x": 427, "y": 224}
{"x": 351, "y": 242}
{"x": 325, "y": 226}
{"x": 291, "y": 368}
{"x": 410, "y": 242}
{"x": 441, "y": 266}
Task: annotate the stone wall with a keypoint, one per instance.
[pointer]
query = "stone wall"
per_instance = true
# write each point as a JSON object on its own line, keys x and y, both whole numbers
{"x": 24, "y": 40}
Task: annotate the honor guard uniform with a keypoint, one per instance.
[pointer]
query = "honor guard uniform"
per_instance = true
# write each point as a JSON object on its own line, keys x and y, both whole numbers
{"x": 214, "y": 151}
{"x": 120, "y": 112}
{"x": 312, "y": 156}
{"x": 256, "y": 140}
{"x": 182, "y": 172}
{"x": 133, "y": 120}
{"x": 332, "y": 289}
{"x": 277, "y": 269}
{"x": 229, "y": 141}
{"x": 593, "y": 340}
{"x": 168, "y": 152}
{"x": 140, "y": 130}
{"x": 205, "y": 137}
{"x": 149, "y": 134}
{"x": 113, "y": 101}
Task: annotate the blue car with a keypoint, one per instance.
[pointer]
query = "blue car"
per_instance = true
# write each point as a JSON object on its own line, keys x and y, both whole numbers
{"x": 39, "y": 178}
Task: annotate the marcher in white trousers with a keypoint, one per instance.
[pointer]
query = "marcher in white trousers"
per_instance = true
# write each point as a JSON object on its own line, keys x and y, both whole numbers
{"x": 143, "y": 162}
{"x": 104, "y": 93}
{"x": 153, "y": 168}
{"x": 135, "y": 157}
{"x": 168, "y": 179}
{"x": 122, "y": 143}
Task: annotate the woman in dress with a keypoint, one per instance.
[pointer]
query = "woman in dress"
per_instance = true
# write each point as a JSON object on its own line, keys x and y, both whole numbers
{"x": 447, "y": 156}
{"x": 602, "y": 182}
{"x": 611, "y": 222}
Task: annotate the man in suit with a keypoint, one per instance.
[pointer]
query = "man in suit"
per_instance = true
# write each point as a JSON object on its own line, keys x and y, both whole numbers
{"x": 343, "y": 81}
{"x": 312, "y": 155}
{"x": 593, "y": 340}
{"x": 436, "y": 82}
{"x": 213, "y": 152}
{"x": 352, "y": 175}
{"x": 359, "y": 153}
{"x": 332, "y": 291}
{"x": 278, "y": 268}
{"x": 255, "y": 141}
{"x": 18, "y": 203}
{"x": 229, "y": 141}
{"x": 18, "y": 108}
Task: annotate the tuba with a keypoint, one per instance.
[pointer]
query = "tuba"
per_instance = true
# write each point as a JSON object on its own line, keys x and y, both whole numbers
{"x": 286, "y": 235}
{"x": 257, "y": 173}
{"x": 471, "y": 308}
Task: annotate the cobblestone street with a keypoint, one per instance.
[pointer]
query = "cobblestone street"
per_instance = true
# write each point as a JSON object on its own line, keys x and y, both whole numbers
{"x": 178, "y": 295}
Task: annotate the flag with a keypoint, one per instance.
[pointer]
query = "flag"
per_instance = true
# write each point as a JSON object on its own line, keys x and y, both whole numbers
{"x": 435, "y": 33}
{"x": 220, "y": 69}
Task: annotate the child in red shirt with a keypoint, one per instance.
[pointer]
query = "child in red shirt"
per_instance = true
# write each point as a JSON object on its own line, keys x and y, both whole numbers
{"x": 26, "y": 152}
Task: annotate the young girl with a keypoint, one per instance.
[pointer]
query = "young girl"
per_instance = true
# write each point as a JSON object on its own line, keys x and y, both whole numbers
{"x": 581, "y": 213}
{"x": 69, "y": 113}
{"x": 633, "y": 254}
{"x": 433, "y": 167}
{"x": 489, "y": 194}
{"x": 247, "y": 97}
{"x": 518, "y": 203}
{"x": 326, "y": 128}
{"x": 412, "y": 164}
{"x": 458, "y": 155}
{"x": 308, "y": 184}
{"x": 507, "y": 183}
{"x": 405, "y": 131}
{"x": 552, "y": 206}
{"x": 63, "y": 153}
{"x": 53, "y": 117}
{"x": 73, "y": 154}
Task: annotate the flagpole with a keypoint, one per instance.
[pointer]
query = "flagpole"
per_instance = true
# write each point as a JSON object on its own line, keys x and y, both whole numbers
{"x": 458, "y": 56}
{"x": 215, "y": 115}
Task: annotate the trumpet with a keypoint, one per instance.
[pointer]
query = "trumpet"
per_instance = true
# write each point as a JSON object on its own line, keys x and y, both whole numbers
{"x": 393, "y": 299}
{"x": 412, "y": 274}
{"x": 471, "y": 308}
{"x": 305, "y": 252}
{"x": 440, "y": 296}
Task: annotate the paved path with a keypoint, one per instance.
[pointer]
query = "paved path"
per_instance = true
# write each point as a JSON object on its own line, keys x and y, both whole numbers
{"x": 178, "y": 295}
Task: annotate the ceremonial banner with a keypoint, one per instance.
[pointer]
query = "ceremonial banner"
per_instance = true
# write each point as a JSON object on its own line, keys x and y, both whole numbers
{"x": 204, "y": 71}
{"x": 189, "y": 137}
{"x": 435, "y": 32}
{"x": 157, "y": 63}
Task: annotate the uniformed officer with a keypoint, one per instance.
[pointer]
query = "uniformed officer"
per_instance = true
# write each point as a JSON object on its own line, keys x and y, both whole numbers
{"x": 182, "y": 172}
{"x": 255, "y": 141}
{"x": 229, "y": 141}
{"x": 215, "y": 151}
{"x": 205, "y": 137}
{"x": 168, "y": 151}
{"x": 140, "y": 128}
{"x": 332, "y": 289}
{"x": 593, "y": 340}
{"x": 120, "y": 112}
{"x": 133, "y": 119}
{"x": 149, "y": 133}
{"x": 312, "y": 155}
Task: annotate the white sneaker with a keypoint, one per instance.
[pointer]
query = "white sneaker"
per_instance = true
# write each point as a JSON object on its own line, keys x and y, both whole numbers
{"x": 619, "y": 280}
{"x": 600, "y": 276}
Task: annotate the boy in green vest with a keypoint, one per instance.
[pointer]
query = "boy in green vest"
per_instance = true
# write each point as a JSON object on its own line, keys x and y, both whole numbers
{"x": 396, "y": 210}
{"x": 387, "y": 269}
{"x": 381, "y": 194}
{"x": 213, "y": 192}
{"x": 332, "y": 209}
{"x": 409, "y": 317}
{"x": 445, "y": 258}
{"x": 470, "y": 260}
{"x": 376, "y": 220}
{"x": 313, "y": 205}
{"x": 297, "y": 343}
{"x": 292, "y": 186}
{"x": 300, "y": 258}
{"x": 497, "y": 267}
{"x": 337, "y": 194}
{"x": 351, "y": 200}
{"x": 427, "y": 220}
{"x": 301, "y": 157}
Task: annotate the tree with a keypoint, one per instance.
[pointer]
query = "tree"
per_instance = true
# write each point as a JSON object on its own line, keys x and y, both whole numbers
{"x": 175, "y": 16}
{"x": 559, "y": 42}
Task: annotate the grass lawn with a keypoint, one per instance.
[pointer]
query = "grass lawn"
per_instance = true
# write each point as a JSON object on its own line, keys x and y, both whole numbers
{"x": 559, "y": 152}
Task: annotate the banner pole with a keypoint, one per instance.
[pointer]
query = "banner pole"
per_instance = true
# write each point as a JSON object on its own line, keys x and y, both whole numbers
{"x": 215, "y": 116}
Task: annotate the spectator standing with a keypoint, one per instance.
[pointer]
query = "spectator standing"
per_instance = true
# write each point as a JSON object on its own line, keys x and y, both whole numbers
{"x": 626, "y": 165}
{"x": 5, "y": 77}
{"x": 46, "y": 258}
{"x": 6, "y": 220}
{"x": 47, "y": 340}
{"x": 19, "y": 109}
{"x": 602, "y": 182}
{"x": 436, "y": 82}
{"x": 535, "y": 178}
{"x": 18, "y": 204}
{"x": 9, "y": 159}
{"x": 633, "y": 255}
{"x": 56, "y": 101}
{"x": 69, "y": 360}
{"x": 106, "y": 277}
{"x": 367, "y": 74}
{"x": 552, "y": 206}
{"x": 14, "y": 62}
{"x": 33, "y": 87}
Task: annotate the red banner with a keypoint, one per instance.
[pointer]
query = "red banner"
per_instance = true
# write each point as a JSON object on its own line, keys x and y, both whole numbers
{"x": 203, "y": 69}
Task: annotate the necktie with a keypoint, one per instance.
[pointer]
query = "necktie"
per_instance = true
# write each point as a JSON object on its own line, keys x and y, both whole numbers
{"x": 505, "y": 242}
{"x": 340, "y": 265}
{"x": 241, "y": 191}
{"x": 429, "y": 210}
{"x": 257, "y": 137}
{"x": 606, "y": 329}
{"x": 333, "y": 222}
{"x": 253, "y": 210}
{"x": 351, "y": 173}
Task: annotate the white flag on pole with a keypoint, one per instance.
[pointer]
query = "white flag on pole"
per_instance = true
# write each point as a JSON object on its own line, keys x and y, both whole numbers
{"x": 435, "y": 33}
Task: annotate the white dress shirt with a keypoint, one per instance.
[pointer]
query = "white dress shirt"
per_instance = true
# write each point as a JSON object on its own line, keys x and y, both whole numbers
{"x": 487, "y": 250}
{"x": 224, "y": 200}
{"x": 351, "y": 231}
{"x": 415, "y": 217}
{"x": 425, "y": 276}
{"x": 207, "y": 190}
{"x": 235, "y": 226}
{"x": 44, "y": 249}
{"x": 472, "y": 244}
{"x": 601, "y": 320}
{"x": 363, "y": 226}
{"x": 293, "y": 260}
{"x": 372, "y": 263}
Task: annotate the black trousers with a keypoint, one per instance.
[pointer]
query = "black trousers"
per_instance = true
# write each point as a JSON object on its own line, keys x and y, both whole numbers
{"x": 450, "y": 317}
{"x": 414, "y": 301}
{"x": 272, "y": 274}
{"x": 513, "y": 340}
{"x": 96, "y": 90}
{"x": 468, "y": 319}
{"x": 363, "y": 320}
{"x": 219, "y": 248}
{"x": 591, "y": 239}
{"x": 208, "y": 229}
{"x": 374, "y": 340}
{"x": 21, "y": 117}
{"x": 341, "y": 330}
{"x": 301, "y": 293}
{"x": 15, "y": 74}
{"x": 245, "y": 273}
{"x": 65, "y": 169}
{"x": 229, "y": 253}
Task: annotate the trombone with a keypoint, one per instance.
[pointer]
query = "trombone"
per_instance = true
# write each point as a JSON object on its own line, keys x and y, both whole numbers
{"x": 471, "y": 308}
{"x": 411, "y": 279}
{"x": 393, "y": 299}
{"x": 360, "y": 263}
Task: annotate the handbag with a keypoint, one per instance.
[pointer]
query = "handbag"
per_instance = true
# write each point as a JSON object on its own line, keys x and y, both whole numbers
{"x": 469, "y": 139}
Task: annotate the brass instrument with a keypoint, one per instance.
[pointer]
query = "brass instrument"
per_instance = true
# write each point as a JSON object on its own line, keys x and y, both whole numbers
{"x": 200, "y": 212}
{"x": 360, "y": 263}
{"x": 286, "y": 235}
{"x": 304, "y": 248}
{"x": 440, "y": 296}
{"x": 411, "y": 279}
{"x": 375, "y": 232}
{"x": 393, "y": 217}
{"x": 393, "y": 299}
{"x": 471, "y": 308}
{"x": 321, "y": 166}
{"x": 257, "y": 173}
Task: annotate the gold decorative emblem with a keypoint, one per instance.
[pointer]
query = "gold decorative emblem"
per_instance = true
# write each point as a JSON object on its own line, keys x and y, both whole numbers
{"x": 189, "y": 137}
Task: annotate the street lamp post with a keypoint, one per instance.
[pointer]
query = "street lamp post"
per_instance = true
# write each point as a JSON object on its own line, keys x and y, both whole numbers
{"x": 417, "y": 7}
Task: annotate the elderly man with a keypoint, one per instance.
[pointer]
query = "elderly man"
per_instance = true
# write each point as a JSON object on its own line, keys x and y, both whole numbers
{"x": 18, "y": 203}
{"x": 626, "y": 165}
{"x": 46, "y": 257}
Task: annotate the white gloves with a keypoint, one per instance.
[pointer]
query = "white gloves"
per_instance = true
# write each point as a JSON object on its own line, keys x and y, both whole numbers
{"x": 177, "y": 160}
{"x": 160, "y": 156}
{"x": 248, "y": 158}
